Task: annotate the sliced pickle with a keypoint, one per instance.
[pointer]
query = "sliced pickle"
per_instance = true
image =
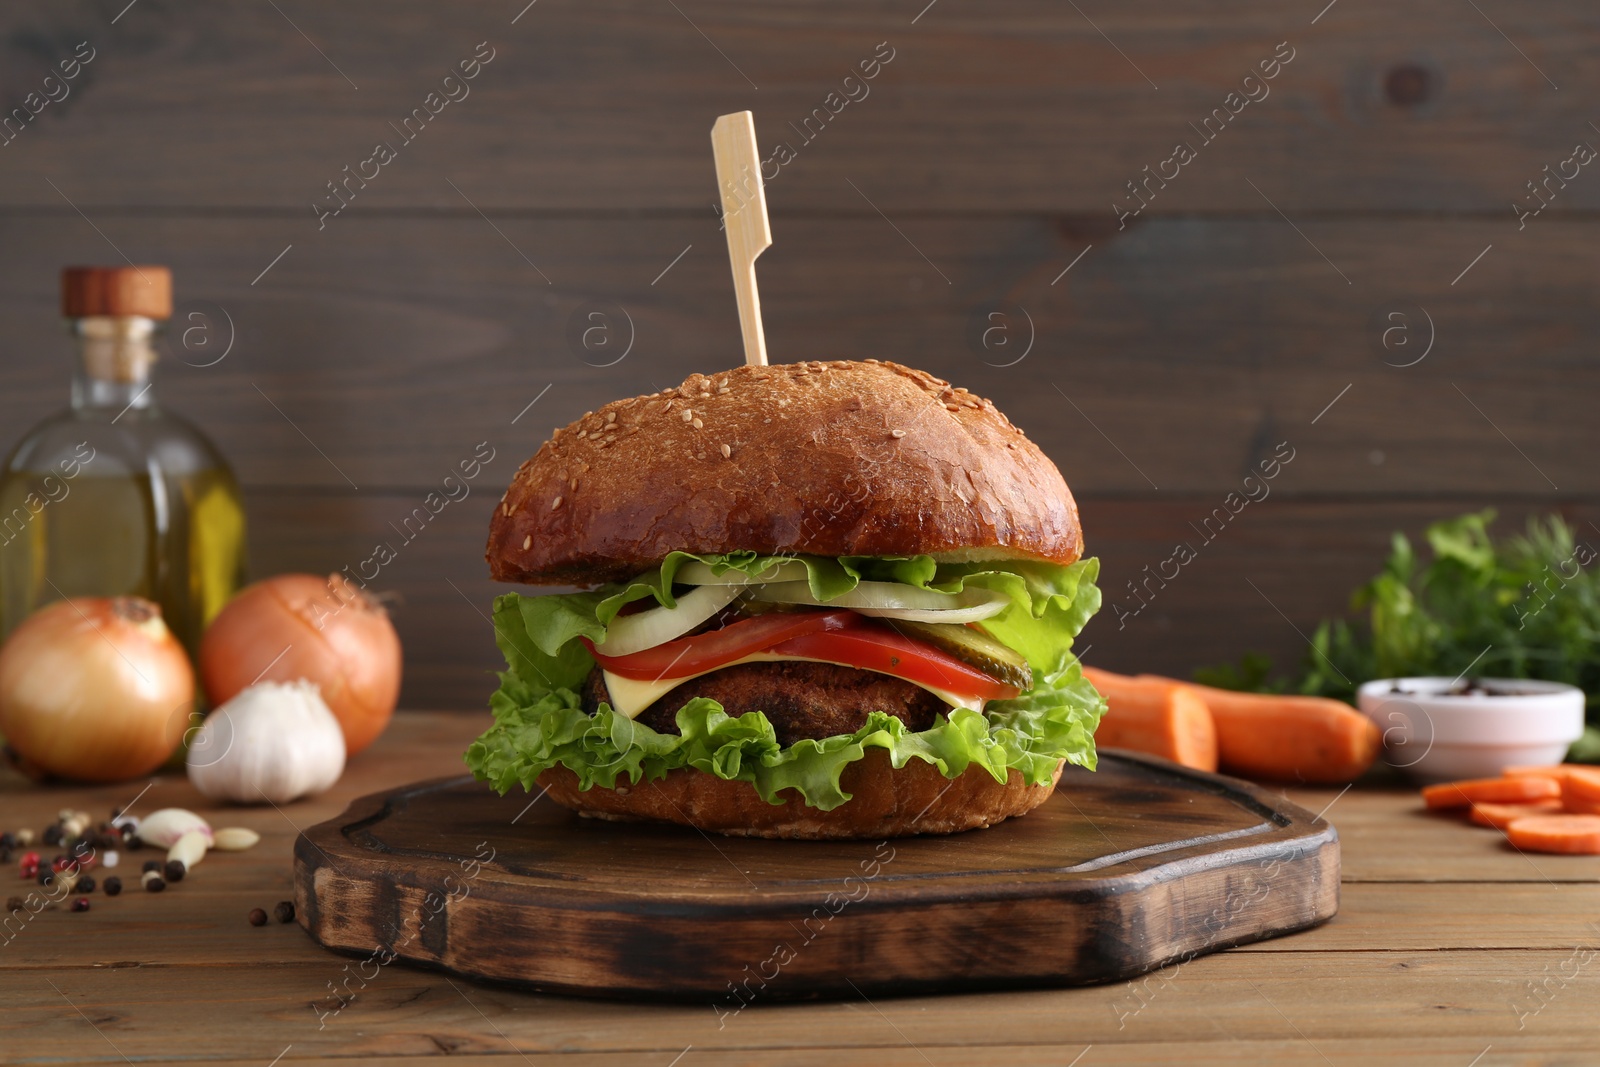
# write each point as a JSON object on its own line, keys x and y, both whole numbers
{"x": 972, "y": 647}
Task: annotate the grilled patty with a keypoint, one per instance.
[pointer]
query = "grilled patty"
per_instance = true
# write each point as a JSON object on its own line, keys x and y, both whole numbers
{"x": 801, "y": 699}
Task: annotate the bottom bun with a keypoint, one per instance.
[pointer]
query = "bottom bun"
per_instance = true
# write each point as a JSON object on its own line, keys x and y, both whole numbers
{"x": 916, "y": 799}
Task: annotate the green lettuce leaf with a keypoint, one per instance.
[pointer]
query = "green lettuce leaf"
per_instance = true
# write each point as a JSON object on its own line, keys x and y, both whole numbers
{"x": 540, "y": 724}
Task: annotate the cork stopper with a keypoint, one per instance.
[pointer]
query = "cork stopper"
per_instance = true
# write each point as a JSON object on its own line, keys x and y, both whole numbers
{"x": 144, "y": 290}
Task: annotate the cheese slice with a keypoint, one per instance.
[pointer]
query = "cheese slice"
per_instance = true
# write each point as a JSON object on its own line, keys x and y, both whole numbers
{"x": 630, "y": 696}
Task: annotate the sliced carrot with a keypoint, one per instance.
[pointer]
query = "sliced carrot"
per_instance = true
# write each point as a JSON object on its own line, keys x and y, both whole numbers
{"x": 1582, "y": 783}
{"x": 1489, "y": 790}
{"x": 1556, "y": 833}
{"x": 1502, "y": 815}
{"x": 1289, "y": 738}
{"x": 1576, "y": 801}
{"x": 1162, "y": 718}
{"x": 1557, "y": 771}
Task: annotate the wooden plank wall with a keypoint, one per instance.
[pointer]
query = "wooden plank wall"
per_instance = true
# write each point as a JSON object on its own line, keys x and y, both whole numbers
{"x": 926, "y": 215}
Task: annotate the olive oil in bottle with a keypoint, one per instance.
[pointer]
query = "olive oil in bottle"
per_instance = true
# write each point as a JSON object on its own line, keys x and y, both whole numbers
{"x": 115, "y": 496}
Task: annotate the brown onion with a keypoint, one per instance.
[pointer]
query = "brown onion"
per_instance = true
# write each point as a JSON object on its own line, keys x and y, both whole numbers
{"x": 95, "y": 688}
{"x": 324, "y": 630}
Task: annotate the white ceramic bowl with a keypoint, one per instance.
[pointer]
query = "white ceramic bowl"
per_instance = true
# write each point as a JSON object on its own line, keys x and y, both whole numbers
{"x": 1433, "y": 735}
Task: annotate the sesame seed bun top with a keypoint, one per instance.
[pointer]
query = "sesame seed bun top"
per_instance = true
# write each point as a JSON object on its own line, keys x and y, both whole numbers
{"x": 830, "y": 459}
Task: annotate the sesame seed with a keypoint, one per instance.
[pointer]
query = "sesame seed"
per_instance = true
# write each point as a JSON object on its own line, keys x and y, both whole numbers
{"x": 952, "y": 407}
{"x": 556, "y": 503}
{"x": 726, "y": 451}
{"x": 632, "y": 430}
{"x": 505, "y": 509}
{"x": 611, "y": 416}
{"x": 573, "y": 484}
{"x": 668, "y": 406}
{"x": 527, "y": 542}
{"x": 586, "y": 414}
{"x": 688, "y": 414}
{"x": 897, "y": 434}
{"x": 697, "y": 424}
{"x": 783, "y": 402}
{"x": 766, "y": 420}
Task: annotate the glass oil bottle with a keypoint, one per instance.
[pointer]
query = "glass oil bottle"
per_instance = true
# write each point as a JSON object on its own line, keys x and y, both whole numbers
{"x": 115, "y": 495}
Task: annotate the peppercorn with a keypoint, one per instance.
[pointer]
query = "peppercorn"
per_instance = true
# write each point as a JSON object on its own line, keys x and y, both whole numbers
{"x": 132, "y": 841}
{"x": 61, "y": 863}
{"x": 8, "y": 839}
{"x": 283, "y": 911}
{"x": 152, "y": 865}
{"x": 5, "y": 855}
{"x": 52, "y": 834}
{"x": 113, "y": 886}
{"x": 45, "y": 876}
{"x": 175, "y": 870}
{"x": 81, "y": 904}
{"x": 24, "y": 837}
{"x": 15, "y": 904}
{"x": 86, "y": 885}
{"x": 152, "y": 882}
{"x": 258, "y": 917}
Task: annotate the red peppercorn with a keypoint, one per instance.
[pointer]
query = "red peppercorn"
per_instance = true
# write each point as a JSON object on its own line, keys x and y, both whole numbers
{"x": 81, "y": 904}
{"x": 258, "y": 917}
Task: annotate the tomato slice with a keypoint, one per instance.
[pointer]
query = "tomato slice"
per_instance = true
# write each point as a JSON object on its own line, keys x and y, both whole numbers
{"x": 699, "y": 653}
{"x": 878, "y": 648}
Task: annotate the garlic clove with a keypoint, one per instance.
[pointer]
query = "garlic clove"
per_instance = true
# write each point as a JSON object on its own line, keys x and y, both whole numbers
{"x": 189, "y": 849}
{"x": 163, "y": 828}
{"x": 234, "y": 839}
{"x": 273, "y": 742}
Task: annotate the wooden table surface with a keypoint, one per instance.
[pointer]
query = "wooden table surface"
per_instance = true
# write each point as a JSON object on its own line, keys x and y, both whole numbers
{"x": 1450, "y": 948}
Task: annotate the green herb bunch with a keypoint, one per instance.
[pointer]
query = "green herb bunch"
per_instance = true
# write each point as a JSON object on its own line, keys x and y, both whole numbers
{"x": 1527, "y": 606}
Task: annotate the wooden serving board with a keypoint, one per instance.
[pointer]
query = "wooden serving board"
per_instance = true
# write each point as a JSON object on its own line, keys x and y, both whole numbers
{"x": 1138, "y": 865}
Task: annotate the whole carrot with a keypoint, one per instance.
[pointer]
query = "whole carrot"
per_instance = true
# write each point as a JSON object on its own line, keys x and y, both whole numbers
{"x": 1156, "y": 716}
{"x": 1289, "y": 738}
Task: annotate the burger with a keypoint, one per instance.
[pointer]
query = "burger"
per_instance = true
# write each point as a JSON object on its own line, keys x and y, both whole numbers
{"x": 819, "y": 600}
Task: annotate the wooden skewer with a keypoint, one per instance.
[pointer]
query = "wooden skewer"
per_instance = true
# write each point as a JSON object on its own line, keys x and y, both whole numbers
{"x": 744, "y": 216}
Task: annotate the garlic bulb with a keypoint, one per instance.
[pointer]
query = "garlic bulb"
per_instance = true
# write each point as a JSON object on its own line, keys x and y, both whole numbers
{"x": 272, "y": 742}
